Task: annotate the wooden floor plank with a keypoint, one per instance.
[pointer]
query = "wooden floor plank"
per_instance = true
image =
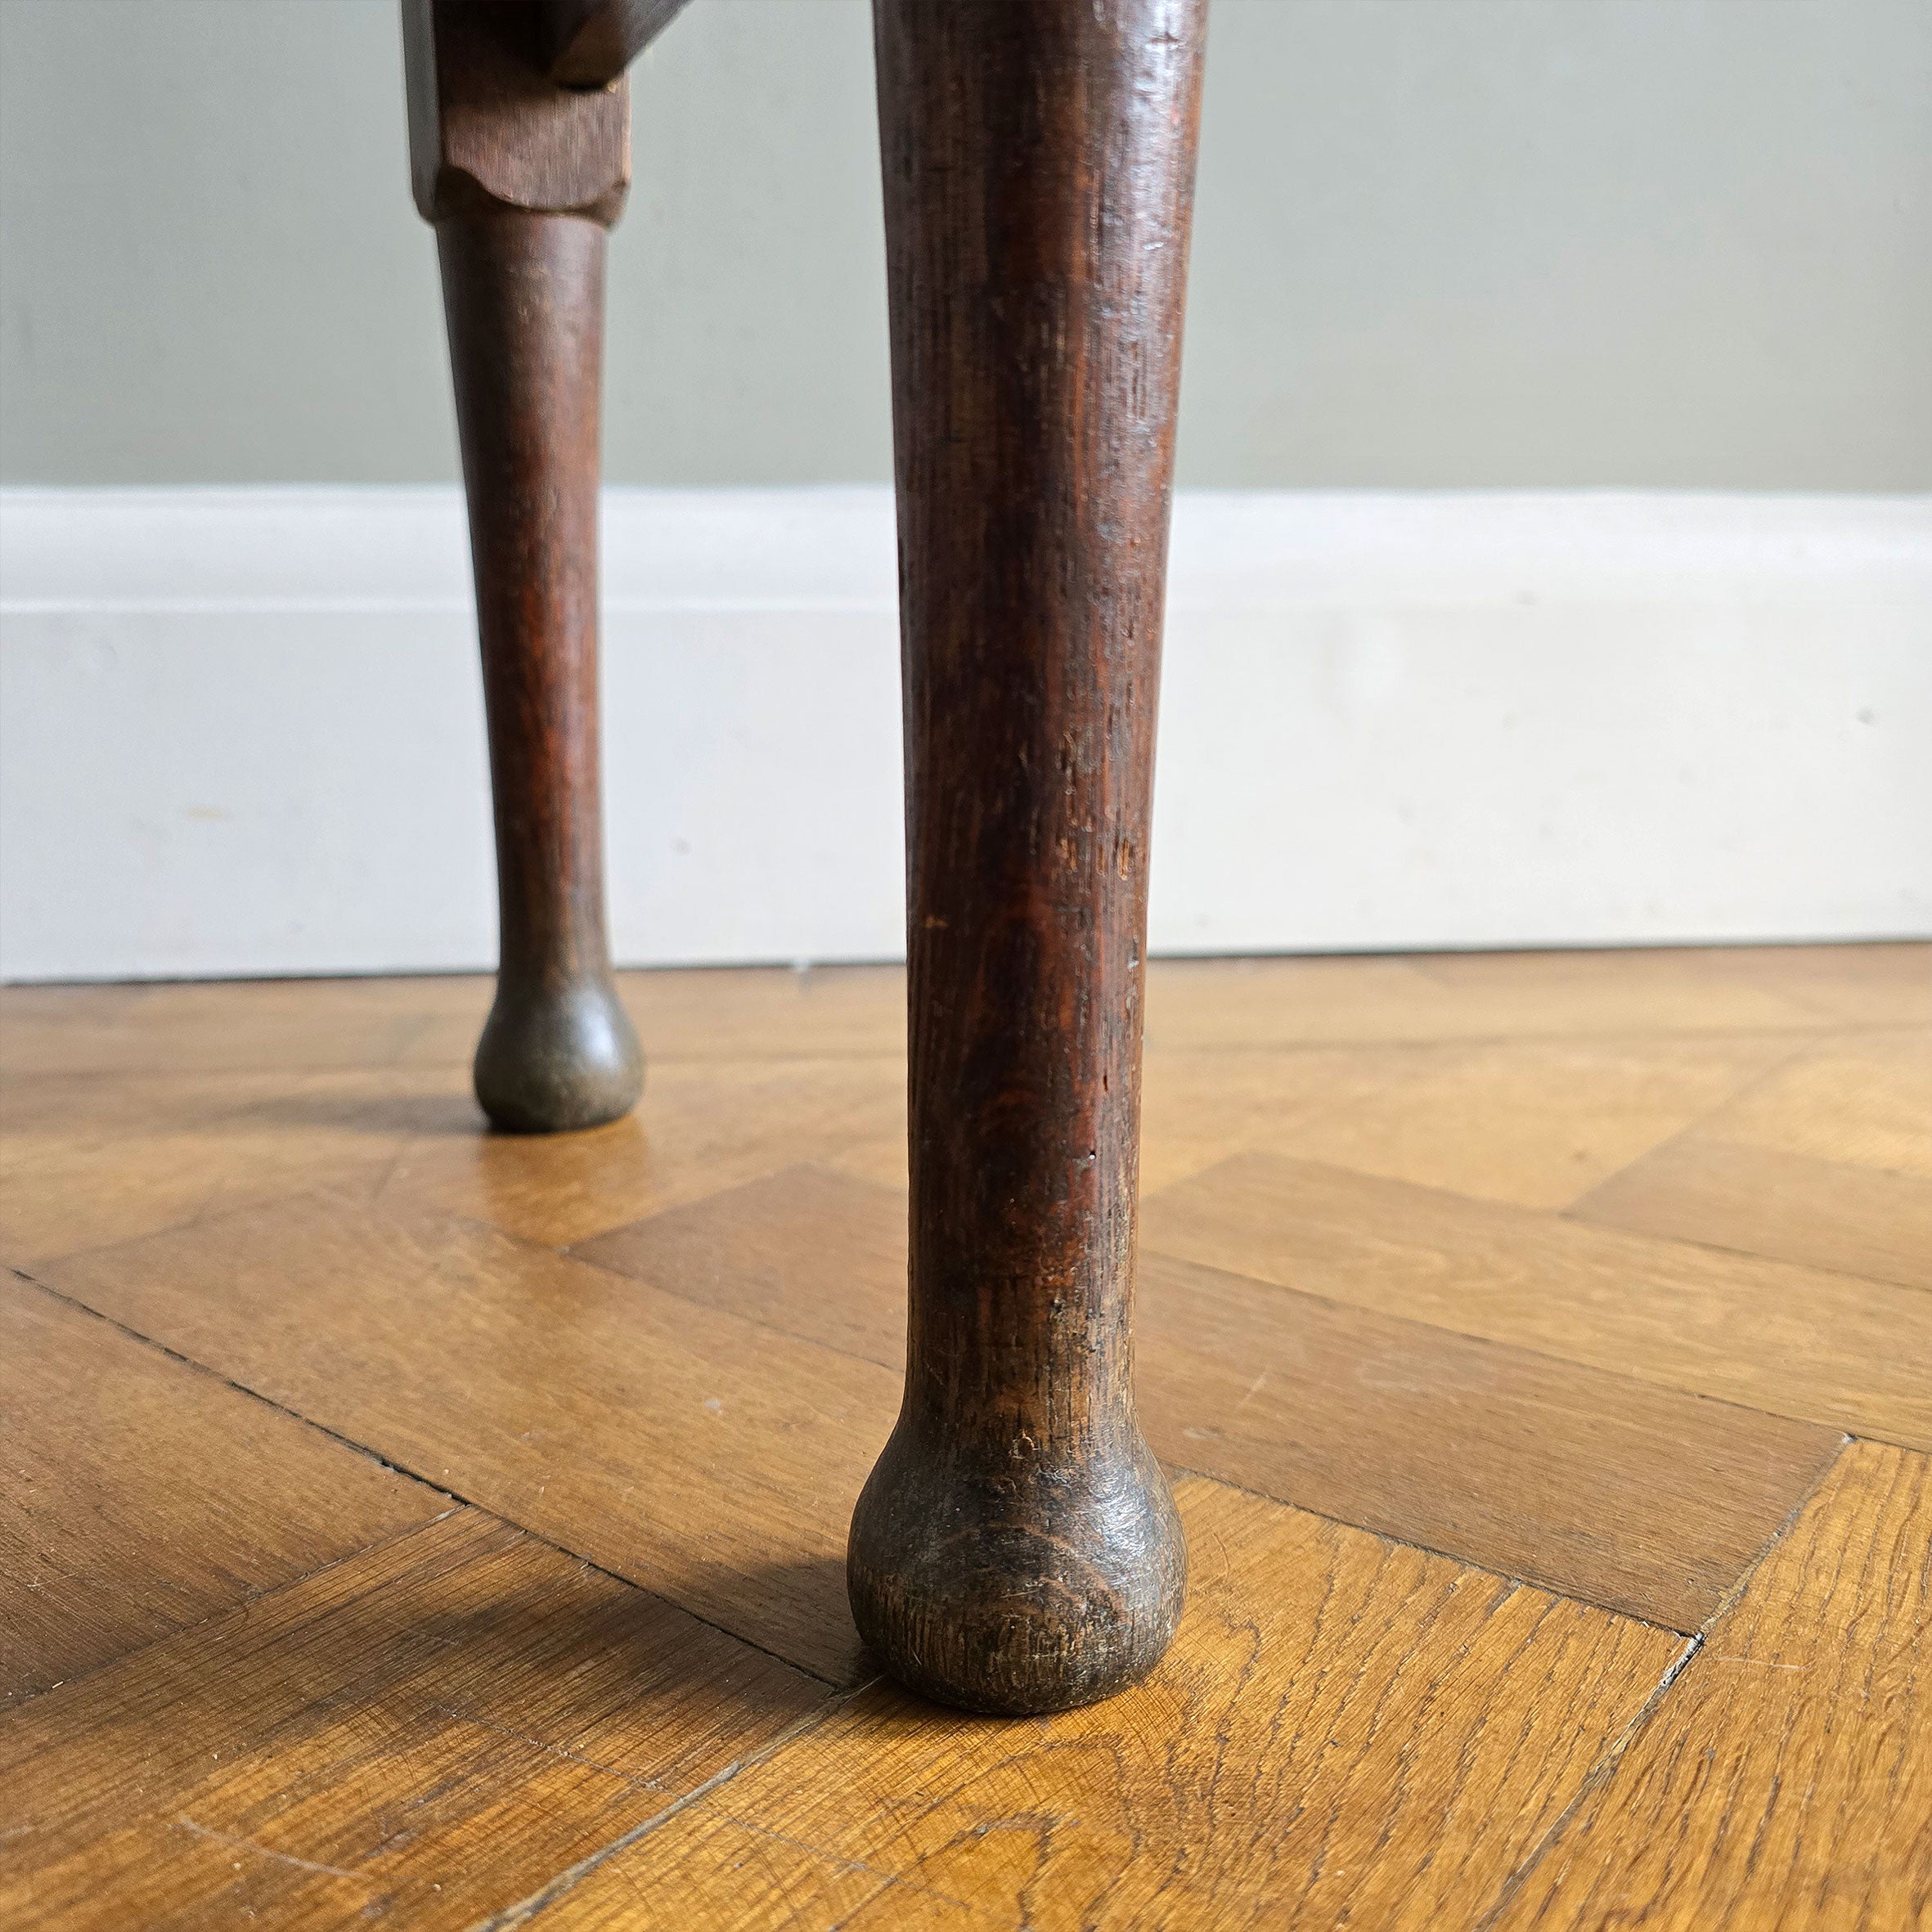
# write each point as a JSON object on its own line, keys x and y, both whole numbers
{"x": 1657, "y": 987}
{"x": 140, "y": 1496}
{"x": 1822, "y": 1213}
{"x": 1875, "y": 985}
{"x": 1861, "y": 1098}
{"x": 1346, "y": 1730}
{"x": 1819, "y": 1347}
{"x": 1641, "y": 1498}
{"x": 704, "y": 1125}
{"x": 254, "y": 1025}
{"x": 87, "y": 1163}
{"x": 221, "y": 1027}
{"x": 1786, "y": 1778}
{"x": 700, "y": 1455}
{"x": 714, "y": 1013}
{"x": 244, "y": 1026}
{"x": 1535, "y": 1122}
{"x": 1250, "y": 1003}
{"x": 56, "y": 1029}
{"x": 1568, "y": 1268}
{"x": 421, "y": 1735}
{"x": 809, "y": 1251}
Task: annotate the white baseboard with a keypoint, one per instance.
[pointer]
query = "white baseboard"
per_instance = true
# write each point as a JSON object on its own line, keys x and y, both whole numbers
{"x": 241, "y": 729}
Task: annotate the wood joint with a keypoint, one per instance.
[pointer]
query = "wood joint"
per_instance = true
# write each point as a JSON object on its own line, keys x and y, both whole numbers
{"x": 489, "y": 128}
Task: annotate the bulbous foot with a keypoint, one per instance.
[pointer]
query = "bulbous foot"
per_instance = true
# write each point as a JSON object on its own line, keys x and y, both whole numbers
{"x": 1013, "y": 1597}
{"x": 555, "y": 1059}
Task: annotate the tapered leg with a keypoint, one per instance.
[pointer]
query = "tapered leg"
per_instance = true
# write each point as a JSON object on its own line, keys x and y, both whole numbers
{"x": 1017, "y": 1548}
{"x": 524, "y": 297}
{"x": 520, "y": 176}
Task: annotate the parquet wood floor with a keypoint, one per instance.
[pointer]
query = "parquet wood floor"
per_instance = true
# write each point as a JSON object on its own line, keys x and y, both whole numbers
{"x": 402, "y": 1523}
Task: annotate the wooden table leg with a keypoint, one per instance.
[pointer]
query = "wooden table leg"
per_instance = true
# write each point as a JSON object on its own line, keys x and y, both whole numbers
{"x": 1017, "y": 1548}
{"x": 521, "y": 178}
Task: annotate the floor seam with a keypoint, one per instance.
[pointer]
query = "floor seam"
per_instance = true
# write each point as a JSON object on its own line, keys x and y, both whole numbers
{"x": 563, "y": 1882}
{"x": 1463, "y": 1562}
{"x": 253, "y": 1597}
{"x": 1601, "y": 1771}
{"x": 455, "y": 1498}
{"x": 569, "y": 1252}
{"x": 1746, "y": 1087}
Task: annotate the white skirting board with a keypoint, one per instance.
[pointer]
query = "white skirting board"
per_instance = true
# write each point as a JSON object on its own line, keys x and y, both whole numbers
{"x": 241, "y": 730}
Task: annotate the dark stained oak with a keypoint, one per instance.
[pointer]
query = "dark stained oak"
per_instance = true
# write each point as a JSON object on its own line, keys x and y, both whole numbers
{"x": 1647, "y": 1500}
{"x": 1016, "y": 1549}
{"x": 421, "y": 1736}
{"x": 589, "y": 43}
{"x": 489, "y": 129}
{"x": 524, "y": 294}
{"x": 139, "y": 1496}
{"x": 1786, "y": 1778}
{"x": 520, "y": 177}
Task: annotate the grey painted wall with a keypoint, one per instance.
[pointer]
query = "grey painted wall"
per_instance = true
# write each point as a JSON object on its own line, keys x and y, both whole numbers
{"x": 1439, "y": 243}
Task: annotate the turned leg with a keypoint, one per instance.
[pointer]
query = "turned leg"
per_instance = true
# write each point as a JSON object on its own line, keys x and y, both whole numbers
{"x": 1017, "y": 1548}
{"x": 521, "y": 177}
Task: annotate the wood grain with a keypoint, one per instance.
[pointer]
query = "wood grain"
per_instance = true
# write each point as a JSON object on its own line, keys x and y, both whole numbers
{"x": 142, "y": 1495}
{"x": 84, "y": 1163}
{"x": 1880, "y": 985}
{"x": 1246, "y": 1005}
{"x": 1823, "y": 1213}
{"x": 1655, "y": 989}
{"x": 488, "y": 127}
{"x": 1642, "y": 1498}
{"x": 1250, "y": 1003}
{"x": 87, "y": 1163}
{"x": 729, "y": 1012}
{"x": 589, "y": 43}
{"x": 1251, "y": 1780}
{"x": 1016, "y": 1548}
{"x": 1786, "y": 1779}
{"x": 203, "y": 1027}
{"x": 807, "y": 1251}
{"x": 1864, "y": 1098}
{"x": 41, "y": 1026}
{"x": 1799, "y": 1342}
{"x": 524, "y": 295}
{"x": 709, "y": 1124}
{"x": 1535, "y": 1122}
{"x": 521, "y": 175}
{"x": 1511, "y": 1384}
{"x": 422, "y": 1734}
{"x": 698, "y": 1455}
{"x": 250, "y": 1025}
